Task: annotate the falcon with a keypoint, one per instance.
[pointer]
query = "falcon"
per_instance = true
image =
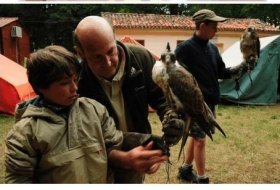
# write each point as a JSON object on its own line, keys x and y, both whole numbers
{"x": 183, "y": 95}
{"x": 250, "y": 47}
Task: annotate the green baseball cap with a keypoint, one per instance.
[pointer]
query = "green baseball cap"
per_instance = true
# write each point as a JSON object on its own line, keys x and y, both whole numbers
{"x": 206, "y": 14}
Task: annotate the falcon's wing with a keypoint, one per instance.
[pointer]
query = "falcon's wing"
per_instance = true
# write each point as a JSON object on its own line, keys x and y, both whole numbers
{"x": 185, "y": 87}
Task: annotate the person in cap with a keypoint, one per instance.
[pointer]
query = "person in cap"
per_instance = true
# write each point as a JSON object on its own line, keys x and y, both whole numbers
{"x": 202, "y": 58}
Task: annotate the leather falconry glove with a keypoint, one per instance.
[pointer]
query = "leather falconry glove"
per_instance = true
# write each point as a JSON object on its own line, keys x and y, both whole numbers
{"x": 173, "y": 128}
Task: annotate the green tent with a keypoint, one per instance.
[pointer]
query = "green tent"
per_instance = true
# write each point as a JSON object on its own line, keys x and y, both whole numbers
{"x": 264, "y": 88}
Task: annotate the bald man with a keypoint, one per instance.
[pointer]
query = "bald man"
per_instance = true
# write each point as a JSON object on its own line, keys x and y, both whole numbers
{"x": 119, "y": 77}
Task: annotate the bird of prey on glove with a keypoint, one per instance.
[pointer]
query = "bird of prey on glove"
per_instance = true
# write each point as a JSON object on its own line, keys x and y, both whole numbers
{"x": 250, "y": 47}
{"x": 183, "y": 95}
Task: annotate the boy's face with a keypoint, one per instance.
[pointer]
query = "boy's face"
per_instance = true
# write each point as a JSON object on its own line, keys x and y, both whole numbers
{"x": 208, "y": 31}
{"x": 62, "y": 92}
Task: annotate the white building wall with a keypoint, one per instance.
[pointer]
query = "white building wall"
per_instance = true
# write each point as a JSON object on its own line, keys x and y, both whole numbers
{"x": 156, "y": 40}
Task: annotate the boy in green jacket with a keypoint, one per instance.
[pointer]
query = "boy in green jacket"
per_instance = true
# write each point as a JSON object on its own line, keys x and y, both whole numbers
{"x": 61, "y": 138}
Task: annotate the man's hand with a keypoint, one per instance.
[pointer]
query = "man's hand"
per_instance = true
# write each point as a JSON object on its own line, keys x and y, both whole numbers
{"x": 145, "y": 160}
{"x": 158, "y": 144}
{"x": 238, "y": 70}
{"x": 141, "y": 159}
{"x": 172, "y": 128}
{"x": 153, "y": 168}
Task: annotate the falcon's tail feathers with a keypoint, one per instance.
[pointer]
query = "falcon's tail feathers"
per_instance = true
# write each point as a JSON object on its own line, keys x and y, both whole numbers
{"x": 208, "y": 133}
{"x": 186, "y": 131}
{"x": 212, "y": 121}
{"x": 219, "y": 128}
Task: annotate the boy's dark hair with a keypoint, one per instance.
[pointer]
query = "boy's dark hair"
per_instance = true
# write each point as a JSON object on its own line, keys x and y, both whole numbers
{"x": 51, "y": 64}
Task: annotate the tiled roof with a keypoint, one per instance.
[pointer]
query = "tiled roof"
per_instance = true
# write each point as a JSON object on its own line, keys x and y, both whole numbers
{"x": 242, "y": 24}
{"x": 7, "y": 20}
{"x": 156, "y": 21}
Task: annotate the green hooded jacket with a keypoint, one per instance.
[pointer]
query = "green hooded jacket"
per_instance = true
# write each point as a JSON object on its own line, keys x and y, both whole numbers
{"x": 43, "y": 147}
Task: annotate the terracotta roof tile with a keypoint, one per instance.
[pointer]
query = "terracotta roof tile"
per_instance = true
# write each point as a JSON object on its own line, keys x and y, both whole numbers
{"x": 6, "y": 20}
{"x": 156, "y": 21}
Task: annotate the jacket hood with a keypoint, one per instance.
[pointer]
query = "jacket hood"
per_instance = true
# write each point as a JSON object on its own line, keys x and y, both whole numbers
{"x": 21, "y": 107}
{"x": 34, "y": 108}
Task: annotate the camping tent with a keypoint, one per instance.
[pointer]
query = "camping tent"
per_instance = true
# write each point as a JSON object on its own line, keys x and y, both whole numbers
{"x": 264, "y": 88}
{"x": 14, "y": 86}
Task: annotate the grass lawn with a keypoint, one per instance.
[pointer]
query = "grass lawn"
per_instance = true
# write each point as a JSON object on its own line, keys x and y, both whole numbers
{"x": 249, "y": 154}
{"x": 5, "y": 124}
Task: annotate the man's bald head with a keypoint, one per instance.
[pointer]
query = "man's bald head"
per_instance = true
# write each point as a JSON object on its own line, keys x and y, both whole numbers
{"x": 97, "y": 47}
{"x": 94, "y": 29}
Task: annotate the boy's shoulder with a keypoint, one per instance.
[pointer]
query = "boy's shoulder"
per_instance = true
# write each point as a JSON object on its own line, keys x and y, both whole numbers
{"x": 85, "y": 100}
